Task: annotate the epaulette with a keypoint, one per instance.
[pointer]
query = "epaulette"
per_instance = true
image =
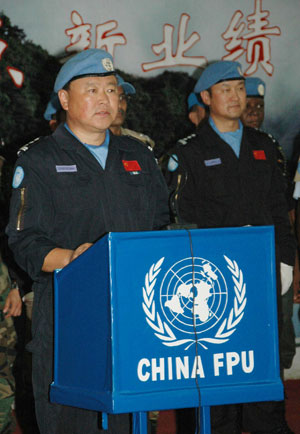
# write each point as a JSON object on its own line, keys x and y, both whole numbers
{"x": 28, "y": 145}
{"x": 271, "y": 137}
{"x": 281, "y": 158}
{"x": 264, "y": 133}
{"x": 145, "y": 145}
{"x": 185, "y": 140}
{"x": 146, "y": 140}
{"x": 136, "y": 139}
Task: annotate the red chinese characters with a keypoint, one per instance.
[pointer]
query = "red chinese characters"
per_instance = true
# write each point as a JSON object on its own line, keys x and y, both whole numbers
{"x": 255, "y": 44}
{"x": 80, "y": 35}
{"x": 183, "y": 45}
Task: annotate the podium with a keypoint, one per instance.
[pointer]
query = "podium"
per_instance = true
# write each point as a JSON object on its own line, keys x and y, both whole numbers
{"x": 168, "y": 319}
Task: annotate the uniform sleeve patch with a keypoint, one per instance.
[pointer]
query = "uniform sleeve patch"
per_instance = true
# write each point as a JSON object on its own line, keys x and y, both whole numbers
{"x": 259, "y": 155}
{"x": 18, "y": 177}
{"x": 173, "y": 163}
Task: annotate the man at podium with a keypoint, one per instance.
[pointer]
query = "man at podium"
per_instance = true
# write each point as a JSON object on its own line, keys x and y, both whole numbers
{"x": 69, "y": 189}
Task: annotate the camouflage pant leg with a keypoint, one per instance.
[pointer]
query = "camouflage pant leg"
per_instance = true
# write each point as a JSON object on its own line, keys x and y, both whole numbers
{"x": 8, "y": 340}
{"x": 7, "y": 391}
{"x": 7, "y": 421}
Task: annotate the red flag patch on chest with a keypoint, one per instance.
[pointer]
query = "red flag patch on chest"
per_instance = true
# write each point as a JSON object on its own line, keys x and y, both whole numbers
{"x": 259, "y": 155}
{"x": 131, "y": 166}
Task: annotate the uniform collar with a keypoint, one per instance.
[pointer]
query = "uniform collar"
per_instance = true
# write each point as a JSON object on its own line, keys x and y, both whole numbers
{"x": 67, "y": 139}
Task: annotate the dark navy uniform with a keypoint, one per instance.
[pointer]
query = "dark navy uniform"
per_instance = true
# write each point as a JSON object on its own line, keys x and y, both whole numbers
{"x": 63, "y": 198}
{"x": 221, "y": 190}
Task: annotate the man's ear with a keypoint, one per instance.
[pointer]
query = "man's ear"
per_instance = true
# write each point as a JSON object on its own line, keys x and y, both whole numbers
{"x": 193, "y": 117}
{"x": 53, "y": 124}
{"x": 63, "y": 96}
{"x": 205, "y": 96}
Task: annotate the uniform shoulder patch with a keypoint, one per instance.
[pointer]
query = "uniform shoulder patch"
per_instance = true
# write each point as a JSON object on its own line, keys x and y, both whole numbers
{"x": 28, "y": 145}
{"x": 18, "y": 177}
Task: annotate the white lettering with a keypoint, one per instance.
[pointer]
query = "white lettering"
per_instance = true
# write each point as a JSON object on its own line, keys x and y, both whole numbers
{"x": 141, "y": 376}
{"x": 198, "y": 368}
{"x": 218, "y": 363}
{"x": 250, "y": 367}
{"x": 232, "y": 359}
{"x": 170, "y": 368}
{"x": 182, "y": 367}
{"x": 158, "y": 369}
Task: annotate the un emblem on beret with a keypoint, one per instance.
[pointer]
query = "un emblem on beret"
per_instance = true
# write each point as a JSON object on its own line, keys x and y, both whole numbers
{"x": 261, "y": 89}
{"x": 196, "y": 306}
{"x": 107, "y": 64}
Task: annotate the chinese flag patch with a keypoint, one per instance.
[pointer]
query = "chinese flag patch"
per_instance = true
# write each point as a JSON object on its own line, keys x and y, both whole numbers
{"x": 131, "y": 166}
{"x": 259, "y": 155}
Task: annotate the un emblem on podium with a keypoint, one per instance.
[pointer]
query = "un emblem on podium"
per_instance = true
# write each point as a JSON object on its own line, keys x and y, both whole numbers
{"x": 193, "y": 302}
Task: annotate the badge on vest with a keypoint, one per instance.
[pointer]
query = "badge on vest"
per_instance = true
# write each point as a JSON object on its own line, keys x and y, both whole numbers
{"x": 213, "y": 162}
{"x": 259, "y": 155}
{"x": 132, "y": 166}
{"x": 67, "y": 168}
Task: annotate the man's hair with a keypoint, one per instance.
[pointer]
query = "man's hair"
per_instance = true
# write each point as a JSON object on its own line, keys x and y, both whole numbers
{"x": 67, "y": 86}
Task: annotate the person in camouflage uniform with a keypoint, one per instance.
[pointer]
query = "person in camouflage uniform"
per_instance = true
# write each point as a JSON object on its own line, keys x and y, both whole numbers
{"x": 7, "y": 355}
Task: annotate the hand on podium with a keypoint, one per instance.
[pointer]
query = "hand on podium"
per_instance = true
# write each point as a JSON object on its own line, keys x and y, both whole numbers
{"x": 59, "y": 258}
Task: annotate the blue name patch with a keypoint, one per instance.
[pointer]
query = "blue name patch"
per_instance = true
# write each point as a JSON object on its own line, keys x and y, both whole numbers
{"x": 69, "y": 168}
{"x": 213, "y": 162}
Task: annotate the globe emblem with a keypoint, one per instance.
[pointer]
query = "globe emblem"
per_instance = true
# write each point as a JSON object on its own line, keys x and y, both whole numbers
{"x": 193, "y": 295}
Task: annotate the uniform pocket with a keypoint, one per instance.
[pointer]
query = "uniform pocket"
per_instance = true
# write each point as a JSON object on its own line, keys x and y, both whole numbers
{"x": 73, "y": 192}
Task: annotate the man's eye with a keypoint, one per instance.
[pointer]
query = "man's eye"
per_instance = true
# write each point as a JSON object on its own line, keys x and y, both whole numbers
{"x": 92, "y": 90}
{"x": 111, "y": 90}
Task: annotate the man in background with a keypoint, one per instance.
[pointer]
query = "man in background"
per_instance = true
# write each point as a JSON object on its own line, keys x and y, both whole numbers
{"x": 125, "y": 91}
{"x": 253, "y": 116}
{"x": 232, "y": 180}
{"x": 196, "y": 109}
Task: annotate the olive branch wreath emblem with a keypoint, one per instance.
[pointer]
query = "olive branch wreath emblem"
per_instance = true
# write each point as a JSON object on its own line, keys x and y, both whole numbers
{"x": 164, "y": 332}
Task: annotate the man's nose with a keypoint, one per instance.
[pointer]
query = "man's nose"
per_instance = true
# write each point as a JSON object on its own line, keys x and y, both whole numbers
{"x": 253, "y": 111}
{"x": 102, "y": 96}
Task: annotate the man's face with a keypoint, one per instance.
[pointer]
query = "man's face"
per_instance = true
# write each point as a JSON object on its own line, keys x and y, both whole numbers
{"x": 121, "y": 115}
{"x": 91, "y": 103}
{"x": 227, "y": 100}
{"x": 254, "y": 113}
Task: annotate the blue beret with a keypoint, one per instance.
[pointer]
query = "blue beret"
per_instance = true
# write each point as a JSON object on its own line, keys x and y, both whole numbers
{"x": 255, "y": 87}
{"x": 129, "y": 89}
{"x": 218, "y": 71}
{"x": 88, "y": 62}
{"x": 193, "y": 99}
{"x": 52, "y": 107}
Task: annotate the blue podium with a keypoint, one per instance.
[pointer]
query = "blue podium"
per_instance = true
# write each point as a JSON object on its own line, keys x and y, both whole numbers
{"x": 168, "y": 319}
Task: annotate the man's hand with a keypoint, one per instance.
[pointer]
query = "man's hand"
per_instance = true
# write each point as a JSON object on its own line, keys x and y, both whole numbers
{"x": 80, "y": 249}
{"x": 296, "y": 280}
{"x": 13, "y": 304}
{"x": 60, "y": 258}
{"x": 296, "y": 286}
